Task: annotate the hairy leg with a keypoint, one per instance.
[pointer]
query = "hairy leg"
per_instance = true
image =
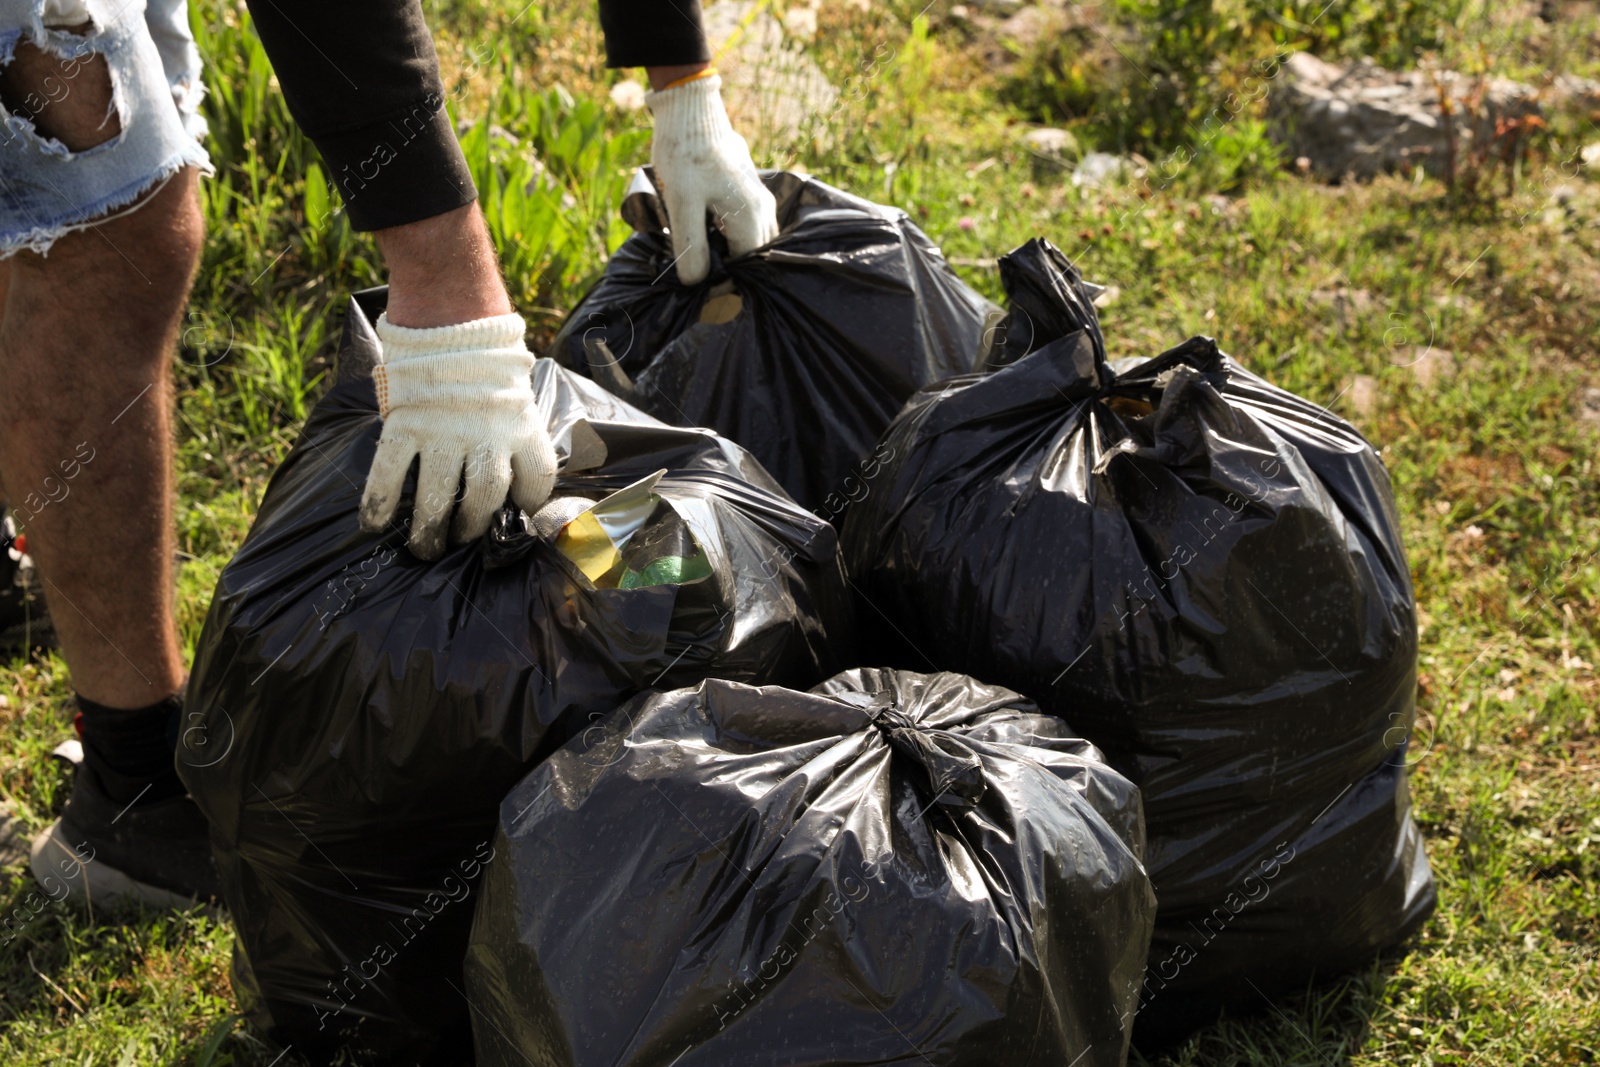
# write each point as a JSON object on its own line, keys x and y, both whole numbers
{"x": 86, "y": 338}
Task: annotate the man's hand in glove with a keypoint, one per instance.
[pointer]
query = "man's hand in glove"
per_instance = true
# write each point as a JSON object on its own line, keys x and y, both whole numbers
{"x": 701, "y": 163}
{"x": 454, "y": 388}
{"x": 461, "y": 398}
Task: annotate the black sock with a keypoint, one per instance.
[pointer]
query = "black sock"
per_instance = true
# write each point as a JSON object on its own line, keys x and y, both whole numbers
{"x": 131, "y": 751}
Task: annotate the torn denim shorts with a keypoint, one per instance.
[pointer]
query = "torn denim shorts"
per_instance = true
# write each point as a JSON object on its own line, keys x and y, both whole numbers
{"x": 46, "y": 190}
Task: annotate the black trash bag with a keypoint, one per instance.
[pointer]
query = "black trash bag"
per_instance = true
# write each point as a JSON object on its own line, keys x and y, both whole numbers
{"x": 1047, "y": 300}
{"x": 357, "y": 714}
{"x": 801, "y": 351}
{"x": 1204, "y": 575}
{"x": 894, "y": 868}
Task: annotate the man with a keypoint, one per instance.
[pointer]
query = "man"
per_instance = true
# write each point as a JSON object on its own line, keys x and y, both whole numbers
{"x": 100, "y": 233}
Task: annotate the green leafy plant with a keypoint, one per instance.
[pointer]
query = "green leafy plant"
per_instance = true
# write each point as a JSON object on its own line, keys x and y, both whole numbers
{"x": 1240, "y": 151}
{"x": 551, "y": 176}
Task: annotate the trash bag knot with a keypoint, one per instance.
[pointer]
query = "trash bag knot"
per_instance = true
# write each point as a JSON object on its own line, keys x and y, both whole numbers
{"x": 954, "y": 772}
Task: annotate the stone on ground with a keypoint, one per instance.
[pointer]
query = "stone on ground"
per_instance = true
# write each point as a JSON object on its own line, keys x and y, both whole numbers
{"x": 1359, "y": 120}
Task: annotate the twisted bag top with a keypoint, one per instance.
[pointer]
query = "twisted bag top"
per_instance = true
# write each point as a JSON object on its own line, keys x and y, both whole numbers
{"x": 891, "y": 867}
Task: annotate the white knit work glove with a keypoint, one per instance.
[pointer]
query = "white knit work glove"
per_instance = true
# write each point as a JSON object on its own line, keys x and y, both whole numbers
{"x": 460, "y": 397}
{"x": 702, "y": 163}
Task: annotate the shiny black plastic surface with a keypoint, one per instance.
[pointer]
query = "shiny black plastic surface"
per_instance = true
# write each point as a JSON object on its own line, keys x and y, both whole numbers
{"x": 357, "y": 715}
{"x": 894, "y": 868}
{"x": 1202, "y": 574}
{"x": 833, "y": 326}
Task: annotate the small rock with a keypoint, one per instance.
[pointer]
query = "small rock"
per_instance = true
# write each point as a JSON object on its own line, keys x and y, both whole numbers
{"x": 1358, "y": 299}
{"x": 1361, "y": 120}
{"x": 1364, "y": 395}
{"x": 1428, "y": 364}
{"x": 1591, "y": 155}
{"x": 1030, "y": 25}
{"x": 1589, "y": 406}
{"x": 1051, "y": 141}
{"x": 1569, "y": 90}
{"x": 1346, "y": 303}
{"x": 1098, "y": 168}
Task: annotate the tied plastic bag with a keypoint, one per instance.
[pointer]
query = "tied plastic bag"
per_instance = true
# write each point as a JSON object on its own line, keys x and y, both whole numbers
{"x": 893, "y": 868}
{"x": 802, "y": 351}
{"x": 1204, "y": 575}
{"x": 357, "y": 714}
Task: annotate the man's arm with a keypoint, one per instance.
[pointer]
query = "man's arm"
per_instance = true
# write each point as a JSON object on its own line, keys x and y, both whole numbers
{"x": 362, "y": 80}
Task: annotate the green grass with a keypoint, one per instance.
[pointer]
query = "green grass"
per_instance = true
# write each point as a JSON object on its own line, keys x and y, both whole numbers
{"x": 1331, "y": 292}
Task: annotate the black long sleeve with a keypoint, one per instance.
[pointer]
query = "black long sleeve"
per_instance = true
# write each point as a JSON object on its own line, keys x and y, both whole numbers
{"x": 362, "y": 79}
{"x": 653, "y": 33}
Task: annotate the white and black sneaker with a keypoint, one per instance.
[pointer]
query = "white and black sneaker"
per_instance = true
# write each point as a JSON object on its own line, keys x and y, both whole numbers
{"x": 107, "y": 855}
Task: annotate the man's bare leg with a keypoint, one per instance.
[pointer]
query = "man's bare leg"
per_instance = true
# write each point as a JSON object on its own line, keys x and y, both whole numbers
{"x": 86, "y": 338}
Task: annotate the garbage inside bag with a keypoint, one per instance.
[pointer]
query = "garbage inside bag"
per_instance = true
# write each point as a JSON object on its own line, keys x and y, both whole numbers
{"x": 802, "y": 351}
{"x": 893, "y": 868}
{"x": 357, "y": 714}
{"x": 1204, "y": 575}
